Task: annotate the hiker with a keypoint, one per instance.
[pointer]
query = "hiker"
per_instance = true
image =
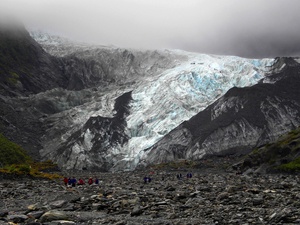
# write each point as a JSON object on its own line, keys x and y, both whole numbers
{"x": 90, "y": 182}
{"x": 96, "y": 181}
{"x": 147, "y": 179}
{"x": 69, "y": 182}
{"x": 179, "y": 176}
{"x": 189, "y": 175}
{"x": 73, "y": 182}
{"x": 66, "y": 181}
{"x": 81, "y": 182}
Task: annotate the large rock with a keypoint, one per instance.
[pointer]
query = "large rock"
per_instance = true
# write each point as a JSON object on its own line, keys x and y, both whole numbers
{"x": 17, "y": 218}
{"x": 53, "y": 215}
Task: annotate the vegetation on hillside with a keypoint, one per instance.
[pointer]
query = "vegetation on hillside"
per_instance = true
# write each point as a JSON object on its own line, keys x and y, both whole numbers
{"x": 14, "y": 160}
{"x": 11, "y": 153}
{"x": 292, "y": 166}
{"x": 281, "y": 156}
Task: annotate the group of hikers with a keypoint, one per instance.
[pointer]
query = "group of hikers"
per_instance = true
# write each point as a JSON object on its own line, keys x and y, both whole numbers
{"x": 188, "y": 175}
{"x": 72, "y": 182}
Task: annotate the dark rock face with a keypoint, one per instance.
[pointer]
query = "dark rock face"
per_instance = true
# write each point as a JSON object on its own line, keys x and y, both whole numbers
{"x": 237, "y": 122}
{"x": 25, "y": 69}
{"x": 98, "y": 135}
{"x": 24, "y": 66}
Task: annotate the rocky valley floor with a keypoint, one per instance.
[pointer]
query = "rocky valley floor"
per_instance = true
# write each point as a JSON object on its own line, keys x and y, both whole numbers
{"x": 124, "y": 198}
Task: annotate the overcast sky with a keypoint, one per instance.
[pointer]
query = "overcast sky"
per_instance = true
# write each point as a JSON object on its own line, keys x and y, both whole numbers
{"x": 247, "y": 28}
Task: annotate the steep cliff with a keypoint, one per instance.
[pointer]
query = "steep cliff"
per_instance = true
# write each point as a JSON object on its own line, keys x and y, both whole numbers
{"x": 25, "y": 67}
{"x": 89, "y": 147}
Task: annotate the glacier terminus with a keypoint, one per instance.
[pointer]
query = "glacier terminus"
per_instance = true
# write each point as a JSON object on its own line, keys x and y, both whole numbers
{"x": 145, "y": 96}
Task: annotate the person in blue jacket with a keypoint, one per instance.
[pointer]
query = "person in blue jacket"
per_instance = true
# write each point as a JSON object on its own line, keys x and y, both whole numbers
{"x": 189, "y": 175}
{"x": 73, "y": 182}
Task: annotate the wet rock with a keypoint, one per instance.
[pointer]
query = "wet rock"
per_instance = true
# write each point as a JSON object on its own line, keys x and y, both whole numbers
{"x": 137, "y": 210}
{"x": 57, "y": 204}
{"x": 53, "y": 215}
{"x": 222, "y": 196}
{"x": 17, "y": 218}
{"x": 3, "y": 213}
{"x": 35, "y": 214}
{"x": 258, "y": 201}
{"x": 170, "y": 188}
{"x": 34, "y": 207}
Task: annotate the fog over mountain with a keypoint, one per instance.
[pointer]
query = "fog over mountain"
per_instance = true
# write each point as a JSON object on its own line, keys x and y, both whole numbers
{"x": 252, "y": 29}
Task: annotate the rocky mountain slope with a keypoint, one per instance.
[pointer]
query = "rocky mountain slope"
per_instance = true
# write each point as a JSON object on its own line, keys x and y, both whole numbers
{"x": 167, "y": 87}
{"x": 283, "y": 155}
{"x": 25, "y": 67}
{"x": 238, "y": 121}
{"x": 111, "y": 109}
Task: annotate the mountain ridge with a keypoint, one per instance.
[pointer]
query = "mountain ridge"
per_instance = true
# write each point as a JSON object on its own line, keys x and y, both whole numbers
{"x": 139, "y": 128}
{"x": 167, "y": 88}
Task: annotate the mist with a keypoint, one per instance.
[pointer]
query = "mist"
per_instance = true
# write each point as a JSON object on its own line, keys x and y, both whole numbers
{"x": 252, "y": 29}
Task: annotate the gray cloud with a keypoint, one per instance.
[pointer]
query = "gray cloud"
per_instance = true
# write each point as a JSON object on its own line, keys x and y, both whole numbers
{"x": 248, "y": 28}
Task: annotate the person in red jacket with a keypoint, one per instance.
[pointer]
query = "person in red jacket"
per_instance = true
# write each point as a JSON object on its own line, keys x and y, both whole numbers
{"x": 66, "y": 181}
{"x": 81, "y": 182}
{"x": 90, "y": 181}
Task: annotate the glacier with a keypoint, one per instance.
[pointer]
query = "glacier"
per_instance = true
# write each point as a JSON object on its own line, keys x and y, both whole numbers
{"x": 181, "y": 85}
{"x": 179, "y": 93}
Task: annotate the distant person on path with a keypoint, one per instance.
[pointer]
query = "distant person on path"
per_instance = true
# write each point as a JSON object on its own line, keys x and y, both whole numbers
{"x": 96, "y": 181}
{"x": 69, "y": 182}
{"x": 90, "y": 182}
{"x": 81, "y": 182}
{"x": 147, "y": 179}
{"x": 66, "y": 181}
{"x": 179, "y": 176}
{"x": 189, "y": 175}
{"x": 73, "y": 182}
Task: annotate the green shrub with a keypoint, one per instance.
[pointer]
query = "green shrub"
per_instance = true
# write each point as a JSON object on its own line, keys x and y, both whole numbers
{"x": 17, "y": 169}
{"x": 11, "y": 168}
{"x": 13, "y": 79}
{"x": 292, "y": 166}
{"x": 14, "y": 160}
{"x": 11, "y": 153}
{"x": 24, "y": 169}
